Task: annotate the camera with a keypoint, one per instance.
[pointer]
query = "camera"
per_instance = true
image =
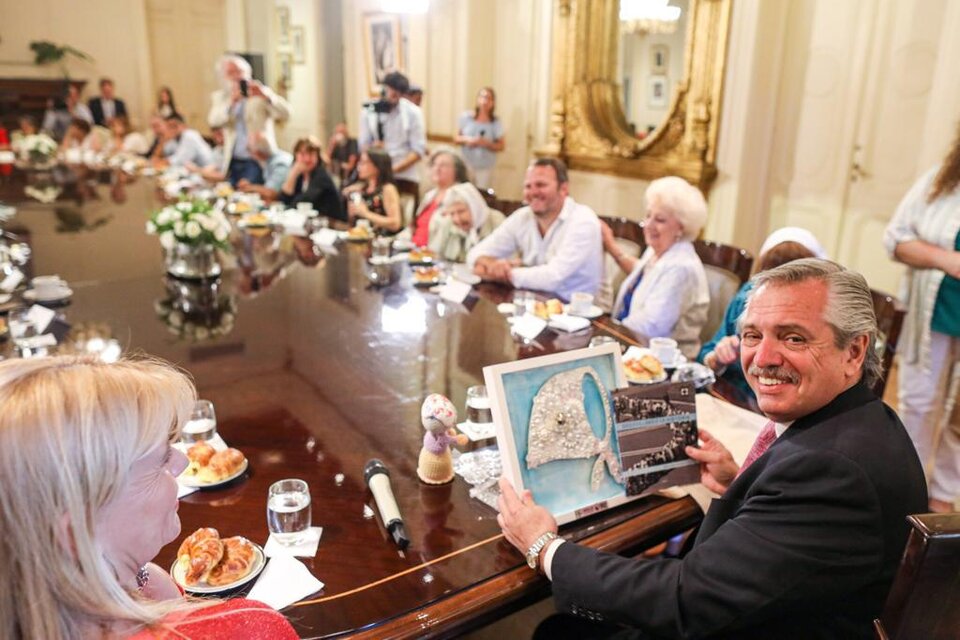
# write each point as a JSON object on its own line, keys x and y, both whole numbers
{"x": 244, "y": 88}
{"x": 381, "y": 105}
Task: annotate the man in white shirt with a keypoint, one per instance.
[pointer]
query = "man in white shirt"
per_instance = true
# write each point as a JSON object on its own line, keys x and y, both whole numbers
{"x": 395, "y": 124}
{"x": 186, "y": 147}
{"x": 558, "y": 241}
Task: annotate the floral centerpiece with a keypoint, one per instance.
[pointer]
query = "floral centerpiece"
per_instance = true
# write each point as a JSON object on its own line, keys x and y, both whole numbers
{"x": 190, "y": 232}
{"x": 196, "y": 311}
{"x": 38, "y": 148}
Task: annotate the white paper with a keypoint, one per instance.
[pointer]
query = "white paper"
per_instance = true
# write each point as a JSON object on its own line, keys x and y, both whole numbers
{"x": 325, "y": 237}
{"x": 455, "y": 291}
{"x": 11, "y": 281}
{"x": 284, "y": 580}
{"x": 568, "y": 323}
{"x": 305, "y": 549}
{"x": 41, "y": 317}
{"x": 183, "y": 491}
{"x": 528, "y": 327}
{"x": 477, "y": 432}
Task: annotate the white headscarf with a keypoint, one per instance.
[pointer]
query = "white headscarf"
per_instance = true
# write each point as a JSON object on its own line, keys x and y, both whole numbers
{"x": 794, "y": 234}
{"x": 468, "y": 194}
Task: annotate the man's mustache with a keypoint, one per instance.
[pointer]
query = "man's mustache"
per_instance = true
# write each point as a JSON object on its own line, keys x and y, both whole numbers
{"x": 779, "y": 373}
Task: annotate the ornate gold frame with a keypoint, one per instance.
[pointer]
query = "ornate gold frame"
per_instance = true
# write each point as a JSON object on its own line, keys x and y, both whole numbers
{"x": 588, "y": 128}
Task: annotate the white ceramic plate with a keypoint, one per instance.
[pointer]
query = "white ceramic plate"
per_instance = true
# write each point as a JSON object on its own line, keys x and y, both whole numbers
{"x": 259, "y": 562}
{"x": 194, "y": 481}
{"x": 30, "y": 295}
{"x": 593, "y": 312}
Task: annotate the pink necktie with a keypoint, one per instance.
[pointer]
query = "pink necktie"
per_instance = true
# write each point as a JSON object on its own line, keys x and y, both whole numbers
{"x": 767, "y": 435}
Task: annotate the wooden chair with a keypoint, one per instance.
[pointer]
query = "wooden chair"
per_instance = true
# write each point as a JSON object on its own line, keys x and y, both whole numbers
{"x": 629, "y": 235}
{"x": 409, "y": 199}
{"x": 727, "y": 269}
{"x": 890, "y": 313}
{"x": 924, "y": 601}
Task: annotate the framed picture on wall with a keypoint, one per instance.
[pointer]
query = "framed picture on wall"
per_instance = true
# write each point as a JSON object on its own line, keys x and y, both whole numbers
{"x": 659, "y": 96}
{"x": 285, "y": 70}
{"x": 659, "y": 59}
{"x": 297, "y": 44}
{"x": 382, "y": 46}
{"x": 555, "y": 429}
{"x": 283, "y": 25}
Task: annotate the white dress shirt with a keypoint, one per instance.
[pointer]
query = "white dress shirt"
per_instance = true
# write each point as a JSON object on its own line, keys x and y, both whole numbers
{"x": 403, "y": 132}
{"x": 569, "y": 258}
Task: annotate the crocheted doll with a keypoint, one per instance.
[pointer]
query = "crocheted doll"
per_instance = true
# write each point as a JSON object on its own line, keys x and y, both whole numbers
{"x": 439, "y": 418}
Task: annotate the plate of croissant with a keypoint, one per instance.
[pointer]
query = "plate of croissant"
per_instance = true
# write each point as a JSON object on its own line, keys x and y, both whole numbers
{"x": 207, "y": 563}
{"x": 211, "y": 468}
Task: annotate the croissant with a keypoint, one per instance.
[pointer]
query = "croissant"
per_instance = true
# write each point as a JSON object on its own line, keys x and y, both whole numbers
{"x": 199, "y": 553}
{"x": 237, "y": 562}
{"x": 222, "y": 464}
{"x": 201, "y": 453}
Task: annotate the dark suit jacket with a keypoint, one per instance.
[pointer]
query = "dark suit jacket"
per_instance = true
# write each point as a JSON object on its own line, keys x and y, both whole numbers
{"x": 804, "y": 544}
{"x": 96, "y": 108}
{"x": 320, "y": 191}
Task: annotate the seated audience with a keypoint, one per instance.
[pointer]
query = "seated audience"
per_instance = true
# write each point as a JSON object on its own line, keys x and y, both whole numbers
{"x": 343, "y": 152}
{"x": 165, "y": 103}
{"x": 552, "y": 244}
{"x": 722, "y": 352}
{"x": 374, "y": 196}
{"x": 106, "y": 106}
{"x": 465, "y": 220}
{"x": 123, "y": 140}
{"x": 93, "y": 440}
{"x": 81, "y": 135}
{"x": 158, "y": 138}
{"x": 185, "y": 147}
{"x": 446, "y": 170}
{"x": 28, "y": 127}
{"x": 276, "y": 166}
{"x": 60, "y": 112}
{"x": 308, "y": 181}
{"x": 924, "y": 234}
{"x": 665, "y": 294}
{"x": 810, "y": 530}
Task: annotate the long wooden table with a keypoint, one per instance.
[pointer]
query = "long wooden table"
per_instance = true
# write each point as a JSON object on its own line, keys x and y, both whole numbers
{"x": 319, "y": 373}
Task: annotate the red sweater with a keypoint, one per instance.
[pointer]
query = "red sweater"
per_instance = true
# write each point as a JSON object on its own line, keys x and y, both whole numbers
{"x": 229, "y": 620}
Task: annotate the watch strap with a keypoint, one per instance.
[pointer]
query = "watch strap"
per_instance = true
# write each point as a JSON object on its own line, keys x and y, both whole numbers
{"x": 533, "y": 553}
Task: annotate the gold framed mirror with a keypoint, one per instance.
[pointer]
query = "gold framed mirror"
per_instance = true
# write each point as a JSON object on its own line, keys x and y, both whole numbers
{"x": 588, "y": 127}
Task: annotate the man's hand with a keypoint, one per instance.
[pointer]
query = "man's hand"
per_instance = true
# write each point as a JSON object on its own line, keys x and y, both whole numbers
{"x": 255, "y": 89}
{"x": 522, "y": 520}
{"x": 717, "y": 466}
{"x": 493, "y": 269}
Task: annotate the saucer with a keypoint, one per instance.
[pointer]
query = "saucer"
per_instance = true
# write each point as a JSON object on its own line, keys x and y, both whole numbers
{"x": 30, "y": 295}
{"x": 593, "y": 312}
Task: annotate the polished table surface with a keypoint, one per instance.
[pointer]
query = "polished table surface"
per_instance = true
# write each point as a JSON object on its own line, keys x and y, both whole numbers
{"x": 316, "y": 373}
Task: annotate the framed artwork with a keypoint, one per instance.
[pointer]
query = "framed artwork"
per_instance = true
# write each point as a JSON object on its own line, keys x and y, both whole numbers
{"x": 382, "y": 47}
{"x": 659, "y": 59}
{"x": 555, "y": 431}
{"x": 658, "y": 97}
{"x": 285, "y": 70}
{"x": 297, "y": 44}
{"x": 283, "y": 25}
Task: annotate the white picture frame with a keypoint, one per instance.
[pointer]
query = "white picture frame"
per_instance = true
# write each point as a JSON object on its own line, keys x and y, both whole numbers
{"x": 659, "y": 59}
{"x": 659, "y": 94}
{"x": 298, "y": 44}
{"x": 563, "y": 485}
{"x": 383, "y": 50}
{"x": 283, "y": 26}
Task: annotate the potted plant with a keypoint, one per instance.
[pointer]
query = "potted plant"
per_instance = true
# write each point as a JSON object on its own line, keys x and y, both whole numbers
{"x": 46, "y": 52}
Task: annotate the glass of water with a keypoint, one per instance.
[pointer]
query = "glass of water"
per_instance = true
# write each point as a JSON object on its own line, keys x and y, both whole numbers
{"x": 288, "y": 511}
{"x": 478, "y": 405}
{"x": 202, "y": 424}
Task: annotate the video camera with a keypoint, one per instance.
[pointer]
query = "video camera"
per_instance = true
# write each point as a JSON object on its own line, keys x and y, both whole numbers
{"x": 381, "y": 105}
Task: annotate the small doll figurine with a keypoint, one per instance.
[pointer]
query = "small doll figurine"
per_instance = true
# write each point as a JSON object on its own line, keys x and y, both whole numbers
{"x": 439, "y": 417}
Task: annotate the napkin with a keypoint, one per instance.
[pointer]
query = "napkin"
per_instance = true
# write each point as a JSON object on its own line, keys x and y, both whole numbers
{"x": 455, "y": 291}
{"x": 183, "y": 491}
{"x": 528, "y": 327}
{"x": 325, "y": 238}
{"x": 306, "y": 549}
{"x": 564, "y": 322}
{"x": 284, "y": 580}
{"x": 477, "y": 432}
{"x": 292, "y": 221}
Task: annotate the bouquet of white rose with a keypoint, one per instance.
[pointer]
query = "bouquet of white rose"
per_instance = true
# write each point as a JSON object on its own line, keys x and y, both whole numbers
{"x": 191, "y": 222}
{"x": 38, "y": 147}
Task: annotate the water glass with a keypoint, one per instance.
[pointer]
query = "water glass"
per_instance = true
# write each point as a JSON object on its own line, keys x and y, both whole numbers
{"x": 289, "y": 511}
{"x": 202, "y": 424}
{"x": 523, "y": 303}
{"x": 381, "y": 248}
{"x": 478, "y": 405}
{"x": 598, "y": 341}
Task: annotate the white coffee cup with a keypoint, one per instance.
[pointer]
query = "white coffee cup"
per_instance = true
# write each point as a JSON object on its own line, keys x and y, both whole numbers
{"x": 665, "y": 350}
{"x": 305, "y": 207}
{"x": 48, "y": 286}
{"x": 580, "y": 303}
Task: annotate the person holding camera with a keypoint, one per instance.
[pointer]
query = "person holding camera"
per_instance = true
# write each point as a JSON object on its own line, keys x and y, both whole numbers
{"x": 244, "y": 107}
{"x": 395, "y": 124}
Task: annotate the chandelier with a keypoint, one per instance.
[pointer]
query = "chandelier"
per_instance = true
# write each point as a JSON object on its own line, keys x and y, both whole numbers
{"x": 648, "y": 16}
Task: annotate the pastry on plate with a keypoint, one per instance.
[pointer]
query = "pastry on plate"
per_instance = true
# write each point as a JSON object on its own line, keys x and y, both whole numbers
{"x": 199, "y": 553}
{"x": 237, "y": 562}
{"x": 646, "y": 368}
{"x": 221, "y": 466}
{"x": 551, "y": 307}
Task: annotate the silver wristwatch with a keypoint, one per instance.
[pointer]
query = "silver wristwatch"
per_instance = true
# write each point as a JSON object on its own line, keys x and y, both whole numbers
{"x": 533, "y": 553}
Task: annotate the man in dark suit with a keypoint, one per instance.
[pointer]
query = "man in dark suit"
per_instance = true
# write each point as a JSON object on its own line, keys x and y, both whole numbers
{"x": 808, "y": 533}
{"x": 106, "y": 106}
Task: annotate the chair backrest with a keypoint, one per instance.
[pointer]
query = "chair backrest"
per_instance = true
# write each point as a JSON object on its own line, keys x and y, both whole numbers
{"x": 924, "y": 601}
{"x": 890, "y": 313}
{"x": 409, "y": 199}
{"x": 629, "y": 235}
{"x": 727, "y": 268}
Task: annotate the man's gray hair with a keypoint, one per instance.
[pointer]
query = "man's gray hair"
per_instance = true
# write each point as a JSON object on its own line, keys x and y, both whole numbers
{"x": 849, "y": 309}
{"x": 245, "y": 69}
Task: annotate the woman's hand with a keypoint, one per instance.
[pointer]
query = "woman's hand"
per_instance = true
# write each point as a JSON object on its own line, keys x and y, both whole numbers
{"x": 358, "y": 209}
{"x": 951, "y": 264}
{"x": 726, "y": 352}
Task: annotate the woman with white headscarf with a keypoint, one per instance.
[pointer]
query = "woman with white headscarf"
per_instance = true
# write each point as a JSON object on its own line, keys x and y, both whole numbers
{"x": 722, "y": 352}
{"x": 466, "y": 220}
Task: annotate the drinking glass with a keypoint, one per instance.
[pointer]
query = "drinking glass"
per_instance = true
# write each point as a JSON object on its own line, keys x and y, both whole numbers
{"x": 289, "y": 511}
{"x": 597, "y": 341}
{"x": 24, "y": 333}
{"x": 478, "y": 405}
{"x": 202, "y": 424}
{"x": 381, "y": 247}
{"x": 523, "y": 303}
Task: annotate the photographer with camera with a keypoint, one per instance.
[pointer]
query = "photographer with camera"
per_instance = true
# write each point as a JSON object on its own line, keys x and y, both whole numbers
{"x": 395, "y": 124}
{"x": 244, "y": 107}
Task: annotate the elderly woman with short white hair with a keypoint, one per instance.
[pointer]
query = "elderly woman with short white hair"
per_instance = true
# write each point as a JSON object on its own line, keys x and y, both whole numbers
{"x": 665, "y": 294}
{"x": 466, "y": 220}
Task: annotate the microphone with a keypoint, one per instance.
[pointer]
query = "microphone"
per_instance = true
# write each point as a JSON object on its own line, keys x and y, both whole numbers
{"x": 378, "y": 479}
